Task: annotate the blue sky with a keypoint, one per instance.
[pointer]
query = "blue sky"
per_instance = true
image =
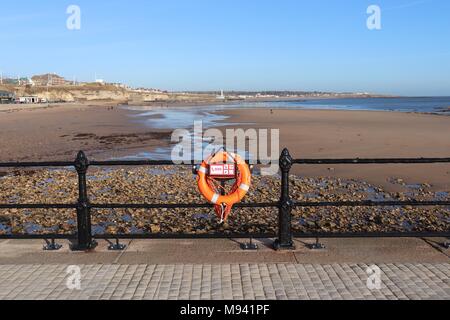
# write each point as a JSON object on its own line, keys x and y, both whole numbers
{"x": 235, "y": 44}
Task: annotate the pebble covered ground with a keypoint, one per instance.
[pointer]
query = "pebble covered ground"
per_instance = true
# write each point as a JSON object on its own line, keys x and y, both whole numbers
{"x": 178, "y": 185}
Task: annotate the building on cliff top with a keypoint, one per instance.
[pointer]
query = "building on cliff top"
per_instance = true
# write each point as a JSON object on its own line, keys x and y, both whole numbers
{"x": 49, "y": 79}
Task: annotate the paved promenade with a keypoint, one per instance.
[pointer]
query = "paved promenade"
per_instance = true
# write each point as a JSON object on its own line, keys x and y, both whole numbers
{"x": 218, "y": 269}
{"x": 225, "y": 281}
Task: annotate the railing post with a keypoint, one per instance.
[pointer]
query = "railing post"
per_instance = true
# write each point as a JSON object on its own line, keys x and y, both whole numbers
{"x": 85, "y": 241}
{"x": 284, "y": 241}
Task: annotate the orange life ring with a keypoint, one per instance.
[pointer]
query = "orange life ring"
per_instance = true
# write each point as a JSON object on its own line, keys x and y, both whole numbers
{"x": 224, "y": 203}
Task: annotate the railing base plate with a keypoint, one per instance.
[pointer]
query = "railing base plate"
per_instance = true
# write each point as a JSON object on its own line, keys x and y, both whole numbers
{"x": 116, "y": 246}
{"x": 91, "y": 246}
{"x": 281, "y": 247}
{"x": 316, "y": 246}
{"x": 249, "y": 246}
{"x": 52, "y": 246}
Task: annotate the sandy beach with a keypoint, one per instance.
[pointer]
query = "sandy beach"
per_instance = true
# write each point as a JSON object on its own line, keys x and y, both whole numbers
{"x": 102, "y": 131}
{"x": 364, "y": 134}
{"x": 106, "y": 132}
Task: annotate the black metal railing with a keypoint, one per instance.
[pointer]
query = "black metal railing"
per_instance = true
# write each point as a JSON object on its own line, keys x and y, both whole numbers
{"x": 286, "y": 235}
{"x": 85, "y": 240}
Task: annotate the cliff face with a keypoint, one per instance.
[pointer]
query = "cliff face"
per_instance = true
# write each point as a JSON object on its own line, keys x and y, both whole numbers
{"x": 96, "y": 92}
{"x": 75, "y": 93}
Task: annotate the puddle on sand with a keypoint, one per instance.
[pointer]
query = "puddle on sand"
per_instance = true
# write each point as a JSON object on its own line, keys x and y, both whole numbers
{"x": 202, "y": 216}
{"x": 136, "y": 230}
{"x": 127, "y": 218}
{"x": 311, "y": 195}
{"x": 162, "y": 172}
{"x": 302, "y": 222}
{"x": 414, "y": 186}
{"x": 164, "y": 196}
{"x": 5, "y": 229}
{"x": 32, "y": 228}
{"x": 159, "y": 153}
{"x": 322, "y": 184}
{"x": 101, "y": 229}
{"x": 407, "y": 226}
{"x": 441, "y": 195}
{"x": 374, "y": 195}
{"x": 171, "y": 118}
{"x": 98, "y": 230}
{"x": 165, "y": 153}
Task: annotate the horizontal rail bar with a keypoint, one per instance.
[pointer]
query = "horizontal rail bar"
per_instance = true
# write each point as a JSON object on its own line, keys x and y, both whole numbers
{"x": 373, "y": 161}
{"x": 350, "y": 235}
{"x": 367, "y": 203}
{"x": 186, "y": 236}
{"x": 370, "y": 203}
{"x": 178, "y": 206}
{"x": 272, "y": 235}
{"x": 35, "y": 164}
{"x": 37, "y": 237}
{"x": 134, "y": 206}
{"x": 38, "y": 206}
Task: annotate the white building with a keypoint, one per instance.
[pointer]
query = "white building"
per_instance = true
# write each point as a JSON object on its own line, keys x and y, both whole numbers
{"x": 222, "y": 96}
{"x": 28, "y": 99}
